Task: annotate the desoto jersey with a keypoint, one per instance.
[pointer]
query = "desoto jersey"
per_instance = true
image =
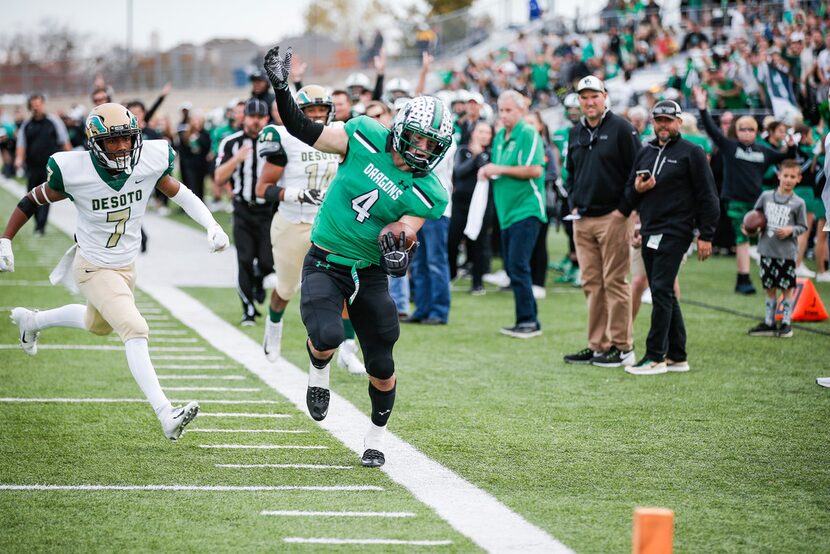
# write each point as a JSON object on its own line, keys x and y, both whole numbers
{"x": 369, "y": 192}
{"x": 306, "y": 168}
{"x": 110, "y": 207}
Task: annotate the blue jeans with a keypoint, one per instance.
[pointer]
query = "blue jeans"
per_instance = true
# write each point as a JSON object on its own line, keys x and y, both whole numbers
{"x": 517, "y": 243}
{"x": 431, "y": 272}
{"x": 399, "y": 291}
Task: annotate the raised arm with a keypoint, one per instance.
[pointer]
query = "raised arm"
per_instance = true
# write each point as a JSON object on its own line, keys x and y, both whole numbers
{"x": 701, "y": 99}
{"x": 333, "y": 140}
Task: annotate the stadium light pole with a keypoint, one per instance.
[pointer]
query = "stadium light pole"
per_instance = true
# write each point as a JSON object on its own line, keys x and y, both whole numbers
{"x": 129, "y": 46}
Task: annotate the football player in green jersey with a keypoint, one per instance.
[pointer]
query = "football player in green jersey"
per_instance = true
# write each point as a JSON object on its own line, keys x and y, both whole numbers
{"x": 386, "y": 176}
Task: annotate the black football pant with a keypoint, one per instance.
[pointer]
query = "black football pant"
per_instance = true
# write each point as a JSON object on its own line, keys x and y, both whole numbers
{"x": 475, "y": 248}
{"x": 667, "y": 335}
{"x": 252, "y": 237}
{"x": 35, "y": 177}
{"x": 373, "y": 313}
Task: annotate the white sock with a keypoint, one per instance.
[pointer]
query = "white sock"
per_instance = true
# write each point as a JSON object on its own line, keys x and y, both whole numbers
{"x": 375, "y": 437}
{"x": 138, "y": 358}
{"x": 318, "y": 377}
{"x": 71, "y": 315}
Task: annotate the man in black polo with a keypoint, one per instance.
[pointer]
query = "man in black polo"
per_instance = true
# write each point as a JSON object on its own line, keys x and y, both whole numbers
{"x": 39, "y": 137}
{"x": 674, "y": 191}
{"x": 239, "y": 163}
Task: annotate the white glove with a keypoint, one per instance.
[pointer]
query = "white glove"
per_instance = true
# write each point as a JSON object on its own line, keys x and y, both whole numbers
{"x": 217, "y": 238}
{"x": 6, "y": 256}
{"x": 303, "y": 196}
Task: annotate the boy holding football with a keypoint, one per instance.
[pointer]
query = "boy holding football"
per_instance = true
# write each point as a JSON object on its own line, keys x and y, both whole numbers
{"x": 786, "y": 219}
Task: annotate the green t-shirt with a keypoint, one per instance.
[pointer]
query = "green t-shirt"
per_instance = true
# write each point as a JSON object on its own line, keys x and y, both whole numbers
{"x": 518, "y": 199}
{"x": 217, "y": 134}
{"x": 701, "y": 141}
{"x": 369, "y": 192}
{"x": 539, "y": 75}
{"x": 559, "y": 138}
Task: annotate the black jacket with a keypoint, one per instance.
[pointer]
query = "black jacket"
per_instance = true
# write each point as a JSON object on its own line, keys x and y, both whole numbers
{"x": 599, "y": 162}
{"x": 684, "y": 197}
{"x": 743, "y": 166}
{"x": 465, "y": 172}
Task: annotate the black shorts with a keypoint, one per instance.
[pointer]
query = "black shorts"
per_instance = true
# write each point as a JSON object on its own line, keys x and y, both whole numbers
{"x": 777, "y": 273}
{"x": 326, "y": 286}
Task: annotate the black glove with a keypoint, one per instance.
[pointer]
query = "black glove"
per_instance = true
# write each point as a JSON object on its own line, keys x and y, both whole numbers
{"x": 394, "y": 257}
{"x": 278, "y": 68}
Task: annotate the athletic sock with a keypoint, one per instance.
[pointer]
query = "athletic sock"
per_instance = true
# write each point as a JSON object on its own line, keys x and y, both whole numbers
{"x": 138, "y": 358}
{"x": 316, "y": 362}
{"x": 787, "y": 308}
{"x": 71, "y": 315}
{"x": 375, "y": 437}
{"x": 348, "y": 328}
{"x": 274, "y": 316}
{"x": 769, "y": 312}
{"x": 743, "y": 278}
{"x": 382, "y": 403}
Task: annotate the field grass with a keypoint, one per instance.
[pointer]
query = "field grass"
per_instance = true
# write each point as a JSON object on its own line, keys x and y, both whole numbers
{"x": 737, "y": 447}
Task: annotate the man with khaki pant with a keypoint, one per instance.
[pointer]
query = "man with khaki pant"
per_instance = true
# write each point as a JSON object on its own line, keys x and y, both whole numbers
{"x": 601, "y": 150}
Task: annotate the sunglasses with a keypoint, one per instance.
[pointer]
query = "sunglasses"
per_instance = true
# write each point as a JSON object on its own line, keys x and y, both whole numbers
{"x": 747, "y": 130}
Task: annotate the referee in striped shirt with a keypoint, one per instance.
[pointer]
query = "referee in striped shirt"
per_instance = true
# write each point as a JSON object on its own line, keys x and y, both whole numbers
{"x": 239, "y": 164}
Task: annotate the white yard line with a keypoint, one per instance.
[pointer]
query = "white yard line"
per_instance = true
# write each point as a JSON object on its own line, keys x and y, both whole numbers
{"x": 125, "y": 401}
{"x": 264, "y": 446}
{"x": 213, "y": 389}
{"x": 295, "y": 513}
{"x": 199, "y": 367}
{"x": 190, "y": 340}
{"x": 238, "y": 414}
{"x": 285, "y": 431}
{"x": 106, "y": 347}
{"x": 394, "y": 542}
{"x": 470, "y": 510}
{"x": 207, "y": 488}
{"x": 168, "y": 332}
{"x": 280, "y": 466}
{"x": 24, "y": 283}
{"x": 173, "y": 357}
{"x": 156, "y": 317}
{"x": 205, "y": 377}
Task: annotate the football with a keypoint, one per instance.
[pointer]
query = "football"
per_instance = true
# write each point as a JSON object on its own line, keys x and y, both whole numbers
{"x": 754, "y": 222}
{"x": 396, "y": 227}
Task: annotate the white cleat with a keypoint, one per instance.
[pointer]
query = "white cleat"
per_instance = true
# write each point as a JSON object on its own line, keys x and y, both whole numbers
{"x": 804, "y": 271}
{"x": 272, "y": 340}
{"x": 176, "y": 419}
{"x": 25, "y": 321}
{"x": 347, "y": 358}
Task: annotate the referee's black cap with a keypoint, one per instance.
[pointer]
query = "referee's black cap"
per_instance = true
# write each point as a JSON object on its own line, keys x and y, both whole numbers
{"x": 255, "y": 106}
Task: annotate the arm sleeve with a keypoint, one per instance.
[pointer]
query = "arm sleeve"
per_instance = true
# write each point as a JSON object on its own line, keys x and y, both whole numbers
{"x": 193, "y": 207}
{"x": 224, "y": 152}
{"x": 707, "y": 207}
{"x": 377, "y": 94}
{"x": 463, "y": 165}
{"x": 759, "y": 204}
{"x": 712, "y": 130}
{"x": 21, "y": 135}
{"x": 295, "y": 120}
{"x": 775, "y": 156}
{"x": 800, "y": 226}
{"x": 152, "y": 111}
{"x": 631, "y": 198}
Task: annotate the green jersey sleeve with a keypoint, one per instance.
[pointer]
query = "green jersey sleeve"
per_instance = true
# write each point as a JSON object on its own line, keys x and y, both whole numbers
{"x": 171, "y": 158}
{"x": 54, "y": 177}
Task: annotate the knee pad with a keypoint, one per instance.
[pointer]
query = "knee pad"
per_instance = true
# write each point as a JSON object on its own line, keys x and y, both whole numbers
{"x": 328, "y": 336}
{"x": 379, "y": 366}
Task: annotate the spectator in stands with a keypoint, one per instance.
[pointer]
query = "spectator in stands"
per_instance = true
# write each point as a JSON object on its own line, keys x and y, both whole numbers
{"x": 342, "y": 105}
{"x": 194, "y": 147}
{"x": 261, "y": 89}
{"x": 39, "y": 137}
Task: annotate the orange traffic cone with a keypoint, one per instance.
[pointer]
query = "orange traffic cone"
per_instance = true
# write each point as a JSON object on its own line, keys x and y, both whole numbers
{"x": 807, "y": 305}
{"x": 653, "y": 531}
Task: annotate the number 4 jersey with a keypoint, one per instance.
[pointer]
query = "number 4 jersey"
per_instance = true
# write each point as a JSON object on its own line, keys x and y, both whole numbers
{"x": 110, "y": 207}
{"x": 369, "y": 192}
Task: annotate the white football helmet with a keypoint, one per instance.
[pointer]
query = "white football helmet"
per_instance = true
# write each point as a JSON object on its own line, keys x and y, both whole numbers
{"x": 108, "y": 121}
{"x": 396, "y": 88}
{"x": 427, "y": 116}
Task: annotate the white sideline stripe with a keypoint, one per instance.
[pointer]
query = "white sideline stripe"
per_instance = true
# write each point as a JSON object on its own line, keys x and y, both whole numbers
{"x": 281, "y": 466}
{"x": 126, "y": 401}
{"x": 169, "y": 357}
{"x": 287, "y": 431}
{"x": 205, "y": 377}
{"x": 108, "y": 347}
{"x": 471, "y": 511}
{"x": 295, "y": 513}
{"x": 213, "y": 389}
{"x": 208, "y": 488}
{"x": 24, "y": 283}
{"x": 238, "y": 414}
{"x": 178, "y": 366}
{"x": 264, "y": 446}
{"x": 396, "y": 542}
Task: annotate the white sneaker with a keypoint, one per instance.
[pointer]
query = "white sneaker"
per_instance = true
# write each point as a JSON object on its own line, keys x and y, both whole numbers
{"x": 804, "y": 271}
{"x": 823, "y": 277}
{"x": 677, "y": 366}
{"x": 25, "y": 321}
{"x": 269, "y": 282}
{"x": 272, "y": 340}
{"x": 646, "y": 297}
{"x": 577, "y": 282}
{"x": 347, "y": 358}
{"x": 753, "y": 253}
{"x": 647, "y": 367}
{"x": 499, "y": 278}
{"x": 176, "y": 419}
{"x": 823, "y": 382}
{"x": 539, "y": 292}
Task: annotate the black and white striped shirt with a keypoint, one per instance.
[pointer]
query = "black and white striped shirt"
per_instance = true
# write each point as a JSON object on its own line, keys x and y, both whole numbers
{"x": 245, "y": 176}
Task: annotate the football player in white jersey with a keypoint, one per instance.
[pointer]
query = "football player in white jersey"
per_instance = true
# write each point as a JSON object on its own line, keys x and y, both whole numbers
{"x": 297, "y": 175}
{"x": 110, "y": 186}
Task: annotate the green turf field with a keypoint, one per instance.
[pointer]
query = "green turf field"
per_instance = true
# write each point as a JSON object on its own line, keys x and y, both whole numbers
{"x": 737, "y": 447}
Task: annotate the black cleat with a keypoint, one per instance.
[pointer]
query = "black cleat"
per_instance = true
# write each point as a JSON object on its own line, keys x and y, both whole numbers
{"x": 763, "y": 330}
{"x": 317, "y": 400}
{"x": 584, "y": 356}
{"x": 784, "y": 331}
{"x": 372, "y": 458}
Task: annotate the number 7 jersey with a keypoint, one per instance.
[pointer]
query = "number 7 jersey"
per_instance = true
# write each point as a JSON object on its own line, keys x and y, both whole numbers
{"x": 110, "y": 207}
{"x": 369, "y": 192}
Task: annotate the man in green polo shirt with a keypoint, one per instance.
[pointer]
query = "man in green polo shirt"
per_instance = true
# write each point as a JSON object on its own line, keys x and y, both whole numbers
{"x": 516, "y": 172}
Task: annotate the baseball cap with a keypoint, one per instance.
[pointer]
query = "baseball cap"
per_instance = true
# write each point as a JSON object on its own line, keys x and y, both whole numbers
{"x": 257, "y": 75}
{"x": 255, "y": 106}
{"x": 797, "y": 36}
{"x": 590, "y": 83}
{"x": 666, "y": 108}
{"x": 476, "y": 97}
